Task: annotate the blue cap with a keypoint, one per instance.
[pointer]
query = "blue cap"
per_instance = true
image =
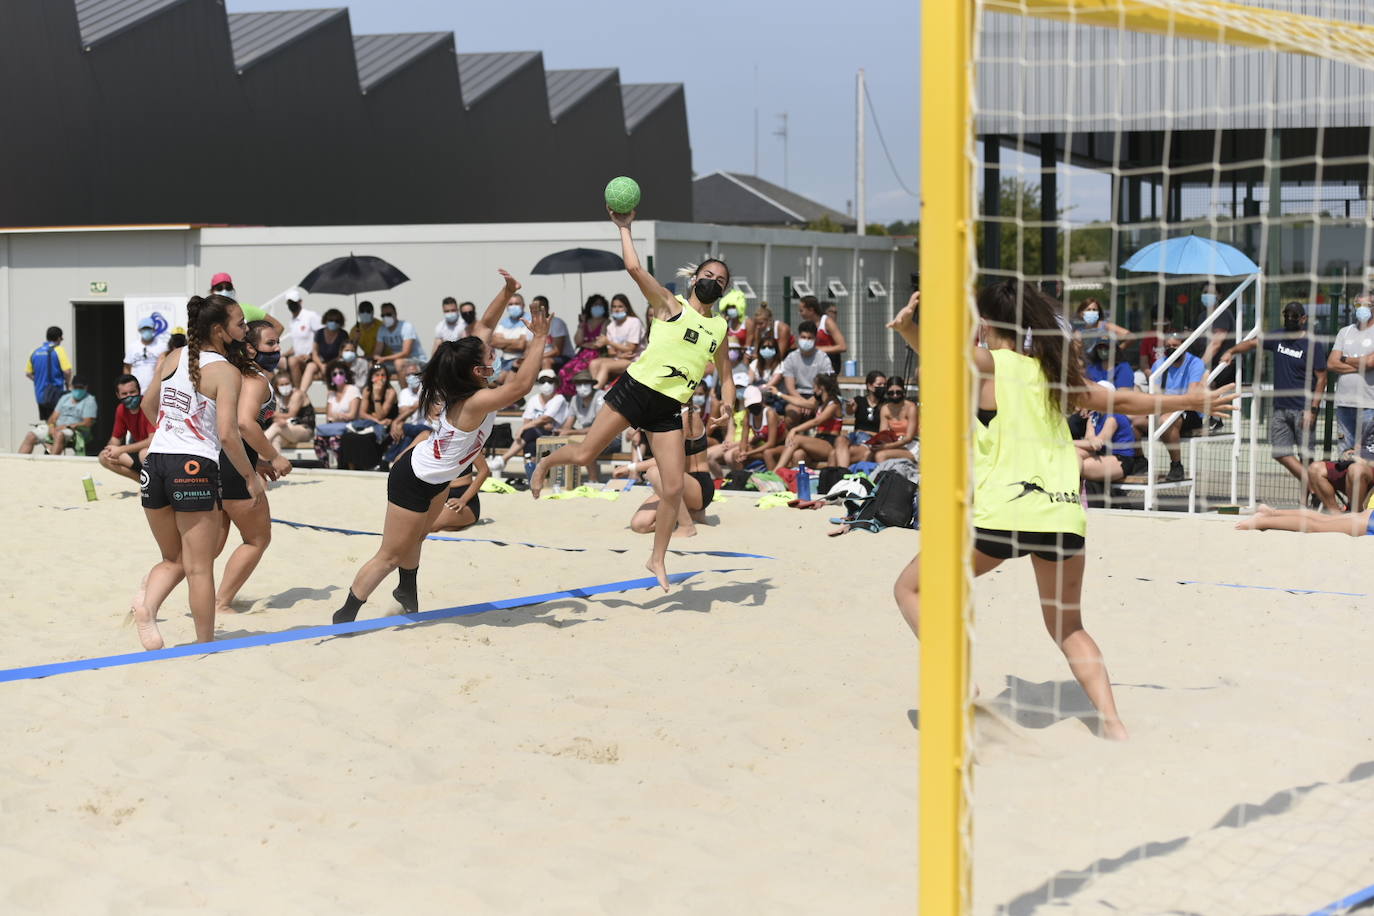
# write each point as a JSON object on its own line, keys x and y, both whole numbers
{"x": 147, "y": 322}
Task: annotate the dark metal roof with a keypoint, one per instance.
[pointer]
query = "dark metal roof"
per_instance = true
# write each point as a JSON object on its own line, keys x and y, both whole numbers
{"x": 256, "y": 35}
{"x": 640, "y": 100}
{"x": 733, "y": 199}
{"x": 568, "y": 87}
{"x": 481, "y": 73}
{"x": 379, "y": 56}
{"x": 101, "y": 19}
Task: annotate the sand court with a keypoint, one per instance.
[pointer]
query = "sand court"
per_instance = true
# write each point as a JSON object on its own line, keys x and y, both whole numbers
{"x": 743, "y": 744}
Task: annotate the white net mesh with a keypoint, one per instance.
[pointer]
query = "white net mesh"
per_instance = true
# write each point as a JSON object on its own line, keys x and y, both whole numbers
{"x": 1247, "y": 785}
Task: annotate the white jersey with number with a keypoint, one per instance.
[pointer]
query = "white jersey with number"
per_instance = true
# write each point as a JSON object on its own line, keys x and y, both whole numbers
{"x": 186, "y": 419}
{"x": 438, "y": 458}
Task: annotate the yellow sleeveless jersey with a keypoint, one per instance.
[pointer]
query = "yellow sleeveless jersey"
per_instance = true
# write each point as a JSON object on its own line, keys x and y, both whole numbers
{"x": 678, "y": 353}
{"x": 1024, "y": 464}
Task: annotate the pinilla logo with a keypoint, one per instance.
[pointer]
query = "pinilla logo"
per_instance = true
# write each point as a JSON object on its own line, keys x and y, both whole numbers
{"x": 177, "y": 495}
{"x": 192, "y": 467}
{"x": 160, "y": 324}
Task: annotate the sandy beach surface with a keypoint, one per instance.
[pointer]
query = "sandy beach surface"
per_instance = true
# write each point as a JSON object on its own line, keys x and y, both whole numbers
{"x": 745, "y": 744}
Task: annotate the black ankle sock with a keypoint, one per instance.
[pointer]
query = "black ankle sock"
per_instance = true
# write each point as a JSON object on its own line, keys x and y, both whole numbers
{"x": 349, "y": 612}
{"x": 407, "y": 592}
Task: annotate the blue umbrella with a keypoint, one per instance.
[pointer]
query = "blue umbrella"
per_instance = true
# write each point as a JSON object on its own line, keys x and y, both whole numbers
{"x": 1191, "y": 254}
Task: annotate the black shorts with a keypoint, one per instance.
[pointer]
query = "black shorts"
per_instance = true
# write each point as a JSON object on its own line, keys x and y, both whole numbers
{"x": 406, "y": 490}
{"x": 187, "y": 483}
{"x": 137, "y": 464}
{"x": 1008, "y": 545}
{"x": 231, "y": 482}
{"x": 645, "y": 408}
{"x": 708, "y": 486}
{"x": 1191, "y": 420}
{"x": 475, "y": 504}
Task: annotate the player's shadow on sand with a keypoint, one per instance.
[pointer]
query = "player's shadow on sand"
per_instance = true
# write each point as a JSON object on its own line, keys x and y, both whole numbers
{"x": 1040, "y": 705}
{"x": 691, "y": 597}
{"x": 300, "y": 593}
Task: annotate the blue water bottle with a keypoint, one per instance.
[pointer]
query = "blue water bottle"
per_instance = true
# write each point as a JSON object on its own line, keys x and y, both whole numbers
{"x": 803, "y": 481}
{"x": 851, "y": 367}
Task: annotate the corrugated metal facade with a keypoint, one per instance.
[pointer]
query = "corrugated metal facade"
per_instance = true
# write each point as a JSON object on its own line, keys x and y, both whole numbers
{"x": 1041, "y": 76}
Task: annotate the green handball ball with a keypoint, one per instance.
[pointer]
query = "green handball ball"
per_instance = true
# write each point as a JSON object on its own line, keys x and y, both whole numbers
{"x": 622, "y": 194}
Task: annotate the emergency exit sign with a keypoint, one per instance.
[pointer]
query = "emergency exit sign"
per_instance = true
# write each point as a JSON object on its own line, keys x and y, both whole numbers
{"x": 99, "y": 287}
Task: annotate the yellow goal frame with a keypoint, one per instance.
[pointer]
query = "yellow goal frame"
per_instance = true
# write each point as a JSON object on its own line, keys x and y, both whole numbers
{"x": 947, "y": 214}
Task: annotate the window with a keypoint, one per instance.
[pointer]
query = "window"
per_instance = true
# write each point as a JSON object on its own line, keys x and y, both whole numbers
{"x": 801, "y": 288}
{"x": 836, "y": 287}
{"x": 876, "y": 290}
{"x": 742, "y": 284}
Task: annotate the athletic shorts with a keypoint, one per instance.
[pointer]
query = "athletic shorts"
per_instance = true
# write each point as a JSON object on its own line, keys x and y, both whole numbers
{"x": 1191, "y": 420}
{"x": 231, "y": 483}
{"x": 475, "y": 504}
{"x": 1008, "y": 545}
{"x": 187, "y": 483}
{"x": 708, "y": 486}
{"x": 137, "y": 464}
{"x": 406, "y": 490}
{"x": 645, "y": 408}
{"x": 1289, "y": 435}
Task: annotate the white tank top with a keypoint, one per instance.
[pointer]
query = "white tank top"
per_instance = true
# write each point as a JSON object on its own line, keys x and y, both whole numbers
{"x": 186, "y": 419}
{"x": 439, "y": 458}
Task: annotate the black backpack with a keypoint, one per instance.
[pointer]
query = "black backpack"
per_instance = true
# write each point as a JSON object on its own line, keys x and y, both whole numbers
{"x": 894, "y": 504}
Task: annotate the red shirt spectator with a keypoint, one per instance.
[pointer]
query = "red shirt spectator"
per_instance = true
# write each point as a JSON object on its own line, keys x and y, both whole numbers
{"x": 133, "y": 422}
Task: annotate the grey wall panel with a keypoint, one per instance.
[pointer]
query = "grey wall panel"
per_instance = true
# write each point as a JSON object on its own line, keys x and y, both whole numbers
{"x": 513, "y": 174}
{"x": 592, "y": 148}
{"x": 660, "y": 159}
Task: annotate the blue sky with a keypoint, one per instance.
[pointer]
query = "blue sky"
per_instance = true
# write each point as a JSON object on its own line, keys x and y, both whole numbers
{"x": 806, "y": 56}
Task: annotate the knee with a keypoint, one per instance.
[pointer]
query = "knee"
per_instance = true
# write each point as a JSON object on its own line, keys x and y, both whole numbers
{"x": 641, "y": 525}
{"x": 671, "y": 489}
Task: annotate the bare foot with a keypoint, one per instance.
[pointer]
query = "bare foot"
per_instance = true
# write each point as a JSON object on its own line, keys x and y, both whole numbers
{"x": 1114, "y": 730}
{"x": 537, "y": 479}
{"x": 684, "y": 531}
{"x": 1253, "y": 522}
{"x": 659, "y": 570}
{"x": 145, "y": 621}
{"x": 225, "y": 609}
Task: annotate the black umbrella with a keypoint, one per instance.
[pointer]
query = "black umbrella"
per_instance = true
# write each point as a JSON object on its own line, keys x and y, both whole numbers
{"x": 352, "y": 275}
{"x": 579, "y": 261}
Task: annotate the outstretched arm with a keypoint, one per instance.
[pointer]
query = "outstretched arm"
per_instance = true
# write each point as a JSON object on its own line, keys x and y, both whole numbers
{"x": 484, "y": 325}
{"x": 664, "y": 303}
{"x": 1217, "y": 401}
{"x": 907, "y": 322}
{"x": 519, "y": 383}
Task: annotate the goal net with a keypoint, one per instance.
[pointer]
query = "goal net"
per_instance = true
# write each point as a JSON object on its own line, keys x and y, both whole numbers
{"x": 1188, "y": 185}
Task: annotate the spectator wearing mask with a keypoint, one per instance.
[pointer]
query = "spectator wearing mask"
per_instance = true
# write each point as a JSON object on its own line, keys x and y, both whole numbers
{"x": 452, "y": 325}
{"x": 735, "y": 307}
{"x": 364, "y": 332}
{"x": 583, "y": 407}
{"x": 125, "y": 458}
{"x": 799, "y": 371}
{"x": 1185, "y": 372}
{"x": 70, "y": 422}
{"x": 398, "y": 339}
{"x": 762, "y": 431}
{"x": 829, "y": 338}
{"x": 867, "y": 409}
{"x": 1352, "y": 360}
{"x": 142, "y": 358}
{"x": 589, "y": 339}
{"x": 766, "y": 369}
{"x": 1091, "y": 327}
{"x": 764, "y": 326}
{"x": 326, "y": 347}
{"x": 1104, "y": 367}
{"x": 510, "y": 337}
{"x": 406, "y": 426}
{"x": 545, "y": 412}
{"x": 814, "y": 440}
{"x": 361, "y": 448}
{"x": 899, "y": 424}
{"x": 1110, "y": 451}
{"x": 624, "y": 343}
{"x": 1299, "y": 383}
{"x": 345, "y": 402}
{"x": 50, "y": 370}
{"x": 301, "y": 331}
{"x": 293, "y": 424}
{"x": 357, "y": 366}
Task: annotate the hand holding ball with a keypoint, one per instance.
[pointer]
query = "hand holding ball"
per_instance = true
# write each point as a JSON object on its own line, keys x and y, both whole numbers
{"x": 622, "y": 194}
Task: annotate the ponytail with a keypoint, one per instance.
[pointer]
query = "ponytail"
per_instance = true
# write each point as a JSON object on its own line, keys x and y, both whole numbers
{"x": 195, "y": 307}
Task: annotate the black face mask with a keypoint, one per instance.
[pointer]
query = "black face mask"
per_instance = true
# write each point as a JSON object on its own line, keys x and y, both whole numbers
{"x": 268, "y": 361}
{"x": 468, "y": 317}
{"x": 1292, "y": 324}
{"x": 1169, "y": 351}
{"x": 132, "y": 401}
{"x": 295, "y": 307}
{"x": 708, "y": 290}
{"x": 895, "y": 395}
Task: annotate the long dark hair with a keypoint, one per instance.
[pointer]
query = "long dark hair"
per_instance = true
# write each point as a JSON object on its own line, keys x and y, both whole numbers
{"x": 827, "y": 385}
{"x": 776, "y": 361}
{"x": 448, "y": 376}
{"x": 1028, "y": 318}
{"x": 595, "y": 299}
{"x": 625, "y": 301}
{"x": 203, "y": 315}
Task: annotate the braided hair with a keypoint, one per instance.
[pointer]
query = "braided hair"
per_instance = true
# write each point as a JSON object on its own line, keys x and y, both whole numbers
{"x": 203, "y": 315}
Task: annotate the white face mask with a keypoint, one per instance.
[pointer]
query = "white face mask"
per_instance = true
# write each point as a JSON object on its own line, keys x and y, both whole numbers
{"x": 389, "y": 320}
{"x": 364, "y": 318}
{"x": 451, "y": 317}
{"x": 1209, "y": 300}
{"x": 584, "y": 391}
{"x": 618, "y": 316}
{"x": 546, "y": 388}
{"x": 1090, "y": 317}
{"x": 1362, "y": 314}
{"x": 698, "y": 400}
{"x": 413, "y": 382}
{"x": 147, "y": 336}
{"x": 286, "y": 388}
{"x": 805, "y": 344}
{"x": 229, "y": 293}
{"x": 514, "y": 312}
{"x": 732, "y": 314}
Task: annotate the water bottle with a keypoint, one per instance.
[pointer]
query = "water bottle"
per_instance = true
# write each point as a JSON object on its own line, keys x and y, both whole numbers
{"x": 88, "y": 484}
{"x": 851, "y": 367}
{"x": 803, "y": 482}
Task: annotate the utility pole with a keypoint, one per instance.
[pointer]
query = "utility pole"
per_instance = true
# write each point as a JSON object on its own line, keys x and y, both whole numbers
{"x": 782, "y": 132}
{"x": 859, "y": 176}
{"x": 756, "y": 120}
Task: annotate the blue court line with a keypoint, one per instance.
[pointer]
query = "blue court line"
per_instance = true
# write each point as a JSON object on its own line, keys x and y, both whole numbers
{"x": 333, "y": 629}
{"x": 1346, "y": 903}
{"x": 729, "y": 554}
{"x": 1265, "y": 588}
